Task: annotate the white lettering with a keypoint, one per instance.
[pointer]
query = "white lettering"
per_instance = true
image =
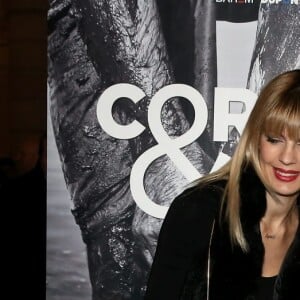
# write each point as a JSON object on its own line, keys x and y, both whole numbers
{"x": 223, "y": 118}
{"x": 104, "y": 110}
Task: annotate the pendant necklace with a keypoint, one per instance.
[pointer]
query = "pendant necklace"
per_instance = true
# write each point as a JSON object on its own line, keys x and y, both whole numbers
{"x": 274, "y": 234}
{"x": 268, "y": 235}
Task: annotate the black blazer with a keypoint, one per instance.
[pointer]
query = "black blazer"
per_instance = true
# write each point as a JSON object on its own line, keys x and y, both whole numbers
{"x": 179, "y": 269}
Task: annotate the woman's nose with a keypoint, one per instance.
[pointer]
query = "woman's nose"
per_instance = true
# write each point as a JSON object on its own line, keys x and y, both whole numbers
{"x": 288, "y": 154}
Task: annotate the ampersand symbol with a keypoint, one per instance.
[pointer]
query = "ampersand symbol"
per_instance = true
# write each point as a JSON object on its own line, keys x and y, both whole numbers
{"x": 166, "y": 145}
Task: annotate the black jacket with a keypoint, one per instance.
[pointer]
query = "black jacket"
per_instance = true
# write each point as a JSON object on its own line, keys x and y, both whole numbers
{"x": 179, "y": 269}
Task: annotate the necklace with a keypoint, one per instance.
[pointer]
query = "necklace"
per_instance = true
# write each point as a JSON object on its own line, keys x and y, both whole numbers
{"x": 270, "y": 235}
{"x": 289, "y": 220}
{"x": 273, "y": 234}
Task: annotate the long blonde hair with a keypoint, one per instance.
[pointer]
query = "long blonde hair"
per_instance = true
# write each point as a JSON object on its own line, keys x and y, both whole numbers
{"x": 277, "y": 109}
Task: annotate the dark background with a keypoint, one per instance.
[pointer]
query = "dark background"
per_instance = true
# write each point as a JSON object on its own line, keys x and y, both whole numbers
{"x": 23, "y": 120}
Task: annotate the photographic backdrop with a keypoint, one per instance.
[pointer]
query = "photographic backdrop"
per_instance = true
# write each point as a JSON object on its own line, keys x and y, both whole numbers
{"x": 145, "y": 97}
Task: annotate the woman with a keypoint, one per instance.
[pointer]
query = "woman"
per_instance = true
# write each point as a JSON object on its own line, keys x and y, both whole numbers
{"x": 235, "y": 235}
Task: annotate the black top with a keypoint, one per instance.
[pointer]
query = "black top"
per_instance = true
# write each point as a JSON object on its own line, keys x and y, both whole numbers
{"x": 264, "y": 288}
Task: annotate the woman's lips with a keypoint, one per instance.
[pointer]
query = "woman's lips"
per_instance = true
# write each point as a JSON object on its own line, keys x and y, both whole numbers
{"x": 286, "y": 175}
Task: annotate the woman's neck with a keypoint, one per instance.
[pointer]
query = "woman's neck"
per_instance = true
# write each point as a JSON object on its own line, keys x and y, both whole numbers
{"x": 278, "y": 228}
{"x": 281, "y": 209}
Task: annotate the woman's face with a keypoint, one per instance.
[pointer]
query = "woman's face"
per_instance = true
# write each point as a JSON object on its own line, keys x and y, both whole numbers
{"x": 280, "y": 164}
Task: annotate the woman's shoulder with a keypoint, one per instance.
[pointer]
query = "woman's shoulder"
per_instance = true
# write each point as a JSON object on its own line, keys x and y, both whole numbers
{"x": 199, "y": 195}
{"x": 197, "y": 203}
{"x": 183, "y": 240}
{"x": 187, "y": 225}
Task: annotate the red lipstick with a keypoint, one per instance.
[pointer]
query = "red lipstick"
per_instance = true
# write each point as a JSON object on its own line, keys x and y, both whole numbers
{"x": 286, "y": 175}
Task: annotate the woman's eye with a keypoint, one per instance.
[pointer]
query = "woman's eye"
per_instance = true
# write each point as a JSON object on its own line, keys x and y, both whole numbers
{"x": 273, "y": 140}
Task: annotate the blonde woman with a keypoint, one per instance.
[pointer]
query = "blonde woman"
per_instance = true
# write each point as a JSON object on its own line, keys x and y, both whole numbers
{"x": 235, "y": 234}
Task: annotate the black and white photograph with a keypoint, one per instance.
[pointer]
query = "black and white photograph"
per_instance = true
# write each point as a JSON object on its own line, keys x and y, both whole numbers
{"x": 144, "y": 98}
